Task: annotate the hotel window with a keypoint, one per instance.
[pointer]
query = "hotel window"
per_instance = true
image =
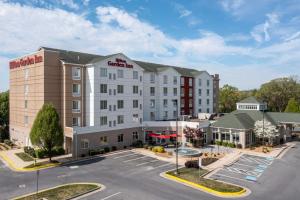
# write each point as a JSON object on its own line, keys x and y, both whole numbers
{"x": 207, "y": 110}
{"x": 166, "y": 114}
{"x": 207, "y": 101}
{"x": 120, "y": 89}
{"x": 109, "y": 108}
{"x": 181, "y": 81}
{"x": 199, "y": 82}
{"x": 25, "y": 104}
{"x": 26, "y": 89}
{"x": 120, "y": 73}
{"x": 103, "y": 89}
{"x": 135, "y": 103}
{"x": 165, "y": 91}
{"x": 175, "y": 91}
{"x": 103, "y": 72}
{"x": 207, "y": 92}
{"x": 103, "y": 140}
{"x": 76, "y": 121}
{"x": 199, "y": 102}
{"x": 109, "y": 123}
{"x": 114, "y": 76}
{"x": 103, "y": 104}
{"x": 120, "y": 138}
{"x": 26, "y": 73}
{"x": 103, "y": 120}
{"x": 114, "y": 122}
{"x": 165, "y": 103}
{"x": 76, "y": 106}
{"x": 152, "y": 103}
{"x": 135, "y": 89}
{"x": 120, "y": 119}
{"x": 199, "y": 92}
{"x": 76, "y": 73}
{"x": 152, "y": 91}
{"x": 84, "y": 144}
{"x": 199, "y": 110}
{"x": 110, "y": 76}
{"x": 120, "y": 104}
{"x": 135, "y": 75}
{"x": 175, "y": 114}
{"x": 76, "y": 90}
{"x": 207, "y": 83}
{"x": 152, "y": 78}
{"x": 190, "y": 92}
{"x": 165, "y": 79}
{"x": 26, "y": 120}
{"x": 152, "y": 116}
{"x": 174, "y": 102}
{"x": 190, "y": 82}
{"x": 135, "y": 135}
{"x": 175, "y": 80}
{"x": 135, "y": 117}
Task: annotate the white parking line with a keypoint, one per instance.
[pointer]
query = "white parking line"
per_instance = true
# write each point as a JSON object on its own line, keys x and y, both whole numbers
{"x": 134, "y": 159}
{"x": 244, "y": 165}
{"x": 162, "y": 166}
{"x": 231, "y": 177}
{"x": 242, "y": 171}
{"x": 111, "y": 196}
{"x": 152, "y": 161}
{"x": 126, "y": 155}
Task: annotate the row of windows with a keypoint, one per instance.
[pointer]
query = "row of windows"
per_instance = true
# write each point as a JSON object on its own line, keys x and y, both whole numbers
{"x": 200, "y": 82}
{"x": 165, "y": 103}
{"x": 248, "y": 107}
{"x": 165, "y": 115}
{"x": 119, "y": 90}
{"x": 120, "y": 74}
{"x": 207, "y": 110}
{"x": 120, "y": 105}
{"x": 85, "y": 143}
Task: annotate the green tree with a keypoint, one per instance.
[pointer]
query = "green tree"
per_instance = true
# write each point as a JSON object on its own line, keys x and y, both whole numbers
{"x": 46, "y": 131}
{"x": 278, "y": 92}
{"x": 229, "y": 96}
{"x": 4, "y": 115}
{"x": 293, "y": 106}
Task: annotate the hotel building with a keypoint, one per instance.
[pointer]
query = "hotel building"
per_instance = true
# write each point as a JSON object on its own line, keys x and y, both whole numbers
{"x": 103, "y": 100}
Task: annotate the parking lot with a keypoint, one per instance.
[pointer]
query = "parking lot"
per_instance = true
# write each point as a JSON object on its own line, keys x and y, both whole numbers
{"x": 248, "y": 168}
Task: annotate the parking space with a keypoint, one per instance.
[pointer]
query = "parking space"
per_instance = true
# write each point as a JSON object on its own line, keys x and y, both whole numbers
{"x": 248, "y": 168}
{"x": 137, "y": 160}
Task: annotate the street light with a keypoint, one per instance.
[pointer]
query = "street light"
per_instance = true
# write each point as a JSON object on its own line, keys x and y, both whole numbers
{"x": 176, "y": 146}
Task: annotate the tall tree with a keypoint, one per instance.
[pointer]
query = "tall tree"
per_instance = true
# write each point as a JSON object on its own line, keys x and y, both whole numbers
{"x": 46, "y": 131}
{"x": 229, "y": 96}
{"x": 4, "y": 115}
{"x": 293, "y": 106}
{"x": 278, "y": 92}
{"x": 264, "y": 129}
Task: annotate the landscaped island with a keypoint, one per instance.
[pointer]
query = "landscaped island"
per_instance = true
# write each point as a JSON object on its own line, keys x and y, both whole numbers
{"x": 67, "y": 191}
{"x": 196, "y": 176}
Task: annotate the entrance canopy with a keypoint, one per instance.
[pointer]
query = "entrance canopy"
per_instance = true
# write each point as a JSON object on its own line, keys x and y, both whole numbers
{"x": 155, "y": 135}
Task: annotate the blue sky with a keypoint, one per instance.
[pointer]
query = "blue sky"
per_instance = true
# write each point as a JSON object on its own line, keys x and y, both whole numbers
{"x": 246, "y": 42}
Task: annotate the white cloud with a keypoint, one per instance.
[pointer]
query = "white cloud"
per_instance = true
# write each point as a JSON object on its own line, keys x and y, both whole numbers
{"x": 86, "y": 2}
{"x": 70, "y": 3}
{"x": 119, "y": 31}
{"x": 183, "y": 12}
{"x": 232, "y": 5}
{"x": 261, "y": 32}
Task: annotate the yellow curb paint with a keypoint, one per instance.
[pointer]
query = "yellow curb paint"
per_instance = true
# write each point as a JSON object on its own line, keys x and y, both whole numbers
{"x": 209, "y": 190}
{"x": 12, "y": 165}
{"x": 101, "y": 187}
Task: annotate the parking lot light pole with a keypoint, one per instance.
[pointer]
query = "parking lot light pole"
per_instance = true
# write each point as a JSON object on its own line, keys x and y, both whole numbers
{"x": 177, "y": 172}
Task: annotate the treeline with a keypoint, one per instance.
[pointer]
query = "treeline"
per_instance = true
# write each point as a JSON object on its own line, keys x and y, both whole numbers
{"x": 4, "y": 116}
{"x": 282, "y": 95}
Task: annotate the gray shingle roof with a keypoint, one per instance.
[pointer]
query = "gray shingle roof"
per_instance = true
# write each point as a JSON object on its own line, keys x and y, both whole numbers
{"x": 85, "y": 58}
{"x": 245, "y": 119}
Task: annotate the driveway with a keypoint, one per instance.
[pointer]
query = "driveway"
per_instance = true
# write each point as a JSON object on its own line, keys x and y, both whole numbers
{"x": 133, "y": 176}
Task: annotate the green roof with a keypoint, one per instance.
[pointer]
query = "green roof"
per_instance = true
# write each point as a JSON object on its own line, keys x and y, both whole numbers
{"x": 85, "y": 58}
{"x": 250, "y": 100}
{"x": 245, "y": 119}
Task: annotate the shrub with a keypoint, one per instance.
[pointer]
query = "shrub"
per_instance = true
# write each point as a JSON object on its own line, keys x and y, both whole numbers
{"x": 30, "y": 151}
{"x": 106, "y": 149}
{"x": 113, "y": 148}
{"x": 57, "y": 151}
{"x": 192, "y": 164}
{"x": 225, "y": 144}
{"x": 8, "y": 142}
{"x": 158, "y": 149}
{"x": 231, "y": 145}
{"x": 137, "y": 144}
{"x": 40, "y": 153}
{"x": 207, "y": 161}
{"x": 218, "y": 142}
{"x": 146, "y": 146}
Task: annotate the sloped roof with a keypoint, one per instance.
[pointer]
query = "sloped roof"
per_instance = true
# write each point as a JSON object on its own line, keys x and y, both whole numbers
{"x": 250, "y": 100}
{"x": 86, "y": 58}
{"x": 245, "y": 119}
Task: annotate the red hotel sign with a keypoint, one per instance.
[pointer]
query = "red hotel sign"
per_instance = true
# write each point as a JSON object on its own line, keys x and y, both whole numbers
{"x": 25, "y": 61}
{"x": 119, "y": 63}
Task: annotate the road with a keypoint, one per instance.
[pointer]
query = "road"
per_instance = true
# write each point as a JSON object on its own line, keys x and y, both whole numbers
{"x": 130, "y": 176}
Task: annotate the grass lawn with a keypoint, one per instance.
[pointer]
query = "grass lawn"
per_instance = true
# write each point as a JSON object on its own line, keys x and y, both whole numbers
{"x": 39, "y": 164}
{"x": 24, "y": 156}
{"x": 192, "y": 175}
{"x": 62, "y": 192}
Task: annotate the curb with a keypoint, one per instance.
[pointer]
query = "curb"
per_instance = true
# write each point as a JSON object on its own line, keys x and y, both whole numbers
{"x": 18, "y": 169}
{"x": 242, "y": 193}
{"x": 101, "y": 187}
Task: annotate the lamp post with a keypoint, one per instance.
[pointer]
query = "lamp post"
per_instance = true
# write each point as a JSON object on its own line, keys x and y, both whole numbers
{"x": 176, "y": 146}
{"x": 75, "y": 138}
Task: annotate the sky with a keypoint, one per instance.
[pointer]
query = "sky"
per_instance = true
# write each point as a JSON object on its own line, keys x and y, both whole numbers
{"x": 247, "y": 42}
